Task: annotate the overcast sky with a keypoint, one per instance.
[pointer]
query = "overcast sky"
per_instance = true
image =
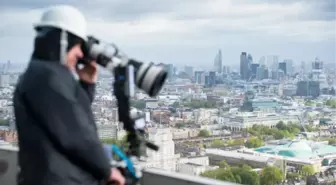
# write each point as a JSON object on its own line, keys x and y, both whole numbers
{"x": 188, "y": 31}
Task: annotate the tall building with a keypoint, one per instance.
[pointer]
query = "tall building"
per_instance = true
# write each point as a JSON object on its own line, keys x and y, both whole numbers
{"x": 218, "y": 62}
{"x": 4, "y": 80}
{"x": 302, "y": 69}
{"x": 254, "y": 68}
{"x": 165, "y": 158}
{"x": 210, "y": 79}
{"x": 317, "y": 64}
{"x": 250, "y": 59}
{"x": 289, "y": 66}
{"x": 189, "y": 70}
{"x": 272, "y": 62}
{"x": 262, "y": 72}
{"x": 308, "y": 88}
{"x": 199, "y": 77}
{"x": 8, "y": 66}
{"x": 226, "y": 69}
{"x": 245, "y": 68}
{"x": 262, "y": 60}
{"x": 283, "y": 67}
{"x": 317, "y": 73}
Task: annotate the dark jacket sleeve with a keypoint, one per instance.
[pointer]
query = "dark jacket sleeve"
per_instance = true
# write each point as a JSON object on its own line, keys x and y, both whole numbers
{"x": 89, "y": 89}
{"x": 67, "y": 124}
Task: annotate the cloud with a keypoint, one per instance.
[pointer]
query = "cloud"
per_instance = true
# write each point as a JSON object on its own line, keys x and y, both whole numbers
{"x": 174, "y": 30}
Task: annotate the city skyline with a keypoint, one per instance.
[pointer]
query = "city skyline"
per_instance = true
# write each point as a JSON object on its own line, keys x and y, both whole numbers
{"x": 189, "y": 32}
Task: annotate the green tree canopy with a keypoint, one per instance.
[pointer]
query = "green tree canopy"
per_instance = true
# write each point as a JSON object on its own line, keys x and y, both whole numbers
{"x": 281, "y": 126}
{"x": 281, "y": 131}
{"x": 307, "y": 170}
{"x": 176, "y": 104}
{"x": 217, "y": 143}
{"x": 223, "y": 164}
{"x": 139, "y": 104}
{"x": 331, "y": 141}
{"x": 236, "y": 142}
{"x": 331, "y": 102}
{"x": 4, "y": 122}
{"x": 204, "y": 133}
{"x": 309, "y": 103}
{"x": 271, "y": 175}
{"x": 246, "y": 175}
{"x": 239, "y": 141}
{"x": 254, "y": 143}
{"x": 241, "y": 175}
{"x": 196, "y": 104}
{"x": 220, "y": 174}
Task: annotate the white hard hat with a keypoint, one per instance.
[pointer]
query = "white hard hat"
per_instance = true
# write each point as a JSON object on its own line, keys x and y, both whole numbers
{"x": 66, "y": 18}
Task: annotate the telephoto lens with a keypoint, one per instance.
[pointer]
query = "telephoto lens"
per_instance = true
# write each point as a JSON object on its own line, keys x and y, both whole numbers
{"x": 148, "y": 77}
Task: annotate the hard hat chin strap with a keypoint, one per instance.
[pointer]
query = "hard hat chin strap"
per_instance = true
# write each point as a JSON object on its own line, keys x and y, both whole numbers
{"x": 64, "y": 46}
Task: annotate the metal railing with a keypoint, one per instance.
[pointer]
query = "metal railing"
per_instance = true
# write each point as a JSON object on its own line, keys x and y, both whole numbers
{"x": 8, "y": 173}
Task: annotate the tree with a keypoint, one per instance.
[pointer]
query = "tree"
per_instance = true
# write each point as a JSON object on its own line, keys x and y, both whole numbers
{"x": 310, "y": 128}
{"x": 180, "y": 125}
{"x": 220, "y": 174}
{"x": 271, "y": 175}
{"x": 247, "y": 176}
{"x": 176, "y": 104}
{"x": 309, "y": 103}
{"x": 307, "y": 170}
{"x": 281, "y": 131}
{"x": 240, "y": 141}
{"x": 217, "y": 143}
{"x": 281, "y": 126}
{"x": 241, "y": 175}
{"x": 4, "y": 122}
{"x": 278, "y": 135}
{"x": 204, "y": 133}
{"x": 331, "y": 141}
{"x": 223, "y": 164}
{"x": 254, "y": 143}
{"x": 139, "y": 104}
{"x": 196, "y": 104}
{"x": 331, "y": 102}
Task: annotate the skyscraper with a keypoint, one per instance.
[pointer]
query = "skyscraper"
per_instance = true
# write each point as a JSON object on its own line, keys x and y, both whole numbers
{"x": 245, "y": 66}
{"x": 289, "y": 66}
{"x": 189, "y": 70}
{"x": 250, "y": 59}
{"x": 218, "y": 62}
{"x": 199, "y": 77}
{"x": 283, "y": 67}
{"x": 254, "y": 68}
{"x": 262, "y": 60}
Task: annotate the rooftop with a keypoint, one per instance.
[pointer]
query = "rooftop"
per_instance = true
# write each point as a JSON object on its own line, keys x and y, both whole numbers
{"x": 237, "y": 155}
{"x": 302, "y": 149}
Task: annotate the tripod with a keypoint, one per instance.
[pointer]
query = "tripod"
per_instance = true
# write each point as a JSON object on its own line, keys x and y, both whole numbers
{"x": 133, "y": 124}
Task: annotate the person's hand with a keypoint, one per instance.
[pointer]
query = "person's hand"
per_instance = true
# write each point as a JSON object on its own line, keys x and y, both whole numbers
{"x": 116, "y": 177}
{"x": 89, "y": 73}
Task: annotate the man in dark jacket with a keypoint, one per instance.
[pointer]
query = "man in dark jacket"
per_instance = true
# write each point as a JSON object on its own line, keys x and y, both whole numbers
{"x": 58, "y": 138}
